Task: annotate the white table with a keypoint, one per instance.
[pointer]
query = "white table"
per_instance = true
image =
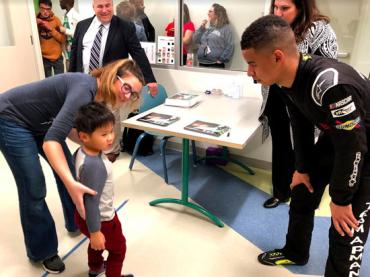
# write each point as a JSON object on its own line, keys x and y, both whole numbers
{"x": 240, "y": 114}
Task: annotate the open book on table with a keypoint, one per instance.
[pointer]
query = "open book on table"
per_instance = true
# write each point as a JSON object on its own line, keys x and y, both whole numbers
{"x": 159, "y": 119}
{"x": 208, "y": 128}
{"x": 183, "y": 100}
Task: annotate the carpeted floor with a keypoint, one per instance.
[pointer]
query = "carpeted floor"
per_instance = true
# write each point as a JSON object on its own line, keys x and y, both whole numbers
{"x": 239, "y": 205}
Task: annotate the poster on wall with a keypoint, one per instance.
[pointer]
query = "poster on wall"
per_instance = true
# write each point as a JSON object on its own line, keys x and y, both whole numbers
{"x": 166, "y": 50}
{"x": 150, "y": 51}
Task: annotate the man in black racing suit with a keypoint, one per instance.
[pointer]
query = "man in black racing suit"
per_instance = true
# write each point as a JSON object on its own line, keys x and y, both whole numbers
{"x": 335, "y": 98}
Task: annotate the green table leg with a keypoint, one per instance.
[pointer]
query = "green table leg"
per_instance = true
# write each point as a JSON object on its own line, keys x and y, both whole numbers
{"x": 185, "y": 189}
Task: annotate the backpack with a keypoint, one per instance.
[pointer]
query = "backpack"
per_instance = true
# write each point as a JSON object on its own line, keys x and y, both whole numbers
{"x": 129, "y": 137}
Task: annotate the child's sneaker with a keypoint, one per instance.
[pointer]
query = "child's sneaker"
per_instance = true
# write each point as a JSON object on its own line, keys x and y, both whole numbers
{"x": 97, "y": 273}
{"x": 53, "y": 265}
{"x": 275, "y": 257}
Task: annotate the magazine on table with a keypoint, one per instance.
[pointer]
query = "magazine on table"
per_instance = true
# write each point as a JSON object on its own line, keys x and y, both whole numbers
{"x": 159, "y": 119}
{"x": 183, "y": 100}
{"x": 208, "y": 128}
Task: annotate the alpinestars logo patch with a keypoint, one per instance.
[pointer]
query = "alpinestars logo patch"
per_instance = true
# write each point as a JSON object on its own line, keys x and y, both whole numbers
{"x": 324, "y": 81}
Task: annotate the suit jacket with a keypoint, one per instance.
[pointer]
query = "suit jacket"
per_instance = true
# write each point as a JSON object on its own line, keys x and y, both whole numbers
{"x": 121, "y": 41}
{"x": 149, "y": 29}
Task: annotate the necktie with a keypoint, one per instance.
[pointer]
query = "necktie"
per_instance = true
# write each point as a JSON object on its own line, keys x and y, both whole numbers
{"x": 95, "y": 50}
{"x": 69, "y": 38}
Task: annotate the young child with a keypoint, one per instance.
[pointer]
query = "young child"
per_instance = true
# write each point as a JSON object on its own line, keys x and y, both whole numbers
{"x": 94, "y": 123}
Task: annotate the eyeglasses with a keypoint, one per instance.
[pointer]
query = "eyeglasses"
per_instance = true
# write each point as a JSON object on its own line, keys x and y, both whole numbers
{"x": 126, "y": 89}
{"x": 45, "y": 8}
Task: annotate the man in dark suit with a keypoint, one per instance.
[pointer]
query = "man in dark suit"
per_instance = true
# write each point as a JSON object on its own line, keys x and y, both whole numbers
{"x": 117, "y": 40}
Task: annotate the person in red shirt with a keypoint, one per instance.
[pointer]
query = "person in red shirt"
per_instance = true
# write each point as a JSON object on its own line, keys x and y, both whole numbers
{"x": 187, "y": 34}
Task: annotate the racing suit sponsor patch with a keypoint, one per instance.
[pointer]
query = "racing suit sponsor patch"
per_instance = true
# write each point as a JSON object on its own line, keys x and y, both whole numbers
{"x": 343, "y": 111}
{"x": 358, "y": 244}
{"x": 306, "y": 57}
{"x": 324, "y": 81}
{"x": 340, "y": 103}
{"x": 353, "y": 177}
{"x": 348, "y": 125}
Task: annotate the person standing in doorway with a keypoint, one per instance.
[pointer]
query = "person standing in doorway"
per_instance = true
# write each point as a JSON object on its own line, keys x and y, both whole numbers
{"x": 51, "y": 39}
{"x": 71, "y": 18}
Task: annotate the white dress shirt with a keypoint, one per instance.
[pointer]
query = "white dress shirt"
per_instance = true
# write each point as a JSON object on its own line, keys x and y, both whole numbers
{"x": 73, "y": 18}
{"x": 88, "y": 41}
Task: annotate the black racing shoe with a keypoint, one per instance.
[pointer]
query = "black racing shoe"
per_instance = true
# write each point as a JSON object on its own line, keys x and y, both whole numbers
{"x": 272, "y": 202}
{"x": 275, "y": 257}
{"x": 53, "y": 265}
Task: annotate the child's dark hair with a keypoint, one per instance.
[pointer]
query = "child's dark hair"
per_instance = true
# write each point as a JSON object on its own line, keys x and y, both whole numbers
{"x": 46, "y": 2}
{"x": 92, "y": 116}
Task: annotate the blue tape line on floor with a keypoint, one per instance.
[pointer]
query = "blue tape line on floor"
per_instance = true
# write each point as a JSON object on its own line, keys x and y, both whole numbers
{"x": 81, "y": 241}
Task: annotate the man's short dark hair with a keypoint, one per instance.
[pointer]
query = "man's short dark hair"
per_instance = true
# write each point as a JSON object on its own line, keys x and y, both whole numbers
{"x": 93, "y": 116}
{"x": 269, "y": 30}
{"x": 46, "y": 2}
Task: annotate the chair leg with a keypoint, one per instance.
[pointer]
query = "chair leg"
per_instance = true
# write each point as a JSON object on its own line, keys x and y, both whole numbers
{"x": 163, "y": 152}
{"x": 136, "y": 148}
{"x": 194, "y": 150}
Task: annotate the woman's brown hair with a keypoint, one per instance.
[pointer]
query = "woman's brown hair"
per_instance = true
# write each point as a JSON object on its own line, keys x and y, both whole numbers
{"x": 107, "y": 75}
{"x": 307, "y": 14}
{"x": 222, "y": 18}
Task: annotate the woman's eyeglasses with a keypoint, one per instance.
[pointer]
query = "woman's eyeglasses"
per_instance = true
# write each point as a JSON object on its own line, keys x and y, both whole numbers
{"x": 126, "y": 89}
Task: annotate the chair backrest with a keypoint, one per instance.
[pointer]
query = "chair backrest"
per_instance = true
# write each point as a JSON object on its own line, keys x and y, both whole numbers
{"x": 148, "y": 101}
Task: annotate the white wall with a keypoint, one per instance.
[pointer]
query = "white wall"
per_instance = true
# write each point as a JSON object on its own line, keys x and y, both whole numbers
{"x": 360, "y": 57}
{"x": 6, "y": 38}
{"x": 350, "y": 21}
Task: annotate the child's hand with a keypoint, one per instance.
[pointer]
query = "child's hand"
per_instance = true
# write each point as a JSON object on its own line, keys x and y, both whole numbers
{"x": 97, "y": 241}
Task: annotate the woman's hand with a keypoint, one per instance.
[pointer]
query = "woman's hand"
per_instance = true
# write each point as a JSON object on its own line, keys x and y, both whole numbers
{"x": 204, "y": 23}
{"x": 343, "y": 219}
{"x": 77, "y": 191}
{"x": 301, "y": 178}
{"x": 97, "y": 241}
{"x": 54, "y": 152}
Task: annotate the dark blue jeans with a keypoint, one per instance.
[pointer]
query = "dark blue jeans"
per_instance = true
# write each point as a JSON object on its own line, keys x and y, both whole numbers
{"x": 21, "y": 149}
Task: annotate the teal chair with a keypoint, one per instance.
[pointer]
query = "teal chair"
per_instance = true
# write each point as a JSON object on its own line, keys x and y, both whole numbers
{"x": 149, "y": 102}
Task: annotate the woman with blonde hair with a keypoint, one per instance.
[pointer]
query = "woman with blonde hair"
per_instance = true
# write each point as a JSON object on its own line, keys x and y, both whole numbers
{"x": 36, "y": 119}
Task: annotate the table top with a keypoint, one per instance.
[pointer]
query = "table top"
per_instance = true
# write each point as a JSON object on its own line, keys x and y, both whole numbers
{"x": 241, "y": 115}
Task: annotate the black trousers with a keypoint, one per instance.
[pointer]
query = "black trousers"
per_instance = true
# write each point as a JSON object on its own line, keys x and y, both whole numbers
{"x": 57, "y": 66}
{"x": 345, "y": 253}
{"x": 215, "y": 65}
{"x": 282, "y": 149}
